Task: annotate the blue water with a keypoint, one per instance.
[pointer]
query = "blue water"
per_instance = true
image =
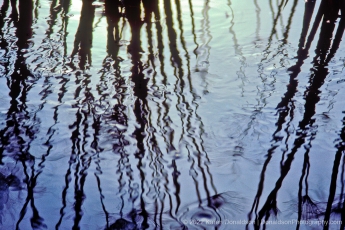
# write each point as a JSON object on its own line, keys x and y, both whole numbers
{"x": 171, "y": 114}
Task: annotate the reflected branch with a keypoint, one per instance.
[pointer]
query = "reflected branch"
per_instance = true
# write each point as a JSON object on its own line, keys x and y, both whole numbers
{"x": 83, "y": 37}
{"x": 306, "y": 128}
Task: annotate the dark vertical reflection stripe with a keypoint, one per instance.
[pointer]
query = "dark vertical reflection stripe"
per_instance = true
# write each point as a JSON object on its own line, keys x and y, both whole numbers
{"x": 274, "y": 30}
{"x": 193, "y": 26}
{"x": 258, "y": 20}
{"x": 83, "y": 37}
{"x": 286, "y": 106}
{"x": 20, "y": 72}
{"x": 113, "y": 15}
{"x": 75, "y": 160}
{"x": 286, "y": 31}
{"x": 192, "y": 107}
{"x": 53, "y": 17}
{"x": 175, "y": 57}
{"x": 3, "y": 12}
{"x": 79, "y": 159}
{"x": 140, "y": 91}
{"x": 202, "y": 158}
{"x": 305, "y": 203}
{"x": 341, "y": 204}
{"x": 156, "y": 158}
{"x": 306, "y": 127}
{"x": 113, "y": 33}
{"x": 176, "y": 63}
{"x": 18, "y": 114}
{"x": 63, "y": 90}
{"x": 333, "y": 186}
{"x": 64, "y": 193}
{"x": 306, "y": 124}
{"x": 65, "y": 6}
{"x": 238, "y": 51}
{"x": 340, "y": 147}
{"x": 3, "y": 45}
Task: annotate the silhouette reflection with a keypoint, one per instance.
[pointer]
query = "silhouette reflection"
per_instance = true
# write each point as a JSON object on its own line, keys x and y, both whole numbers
{"x": 83, "y": 37}
{"x": 107, "y": 109}
{"x": 325, "y": 50}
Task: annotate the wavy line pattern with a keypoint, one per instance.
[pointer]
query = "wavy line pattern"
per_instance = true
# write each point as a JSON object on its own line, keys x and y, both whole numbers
{"x": 158, "y": 114}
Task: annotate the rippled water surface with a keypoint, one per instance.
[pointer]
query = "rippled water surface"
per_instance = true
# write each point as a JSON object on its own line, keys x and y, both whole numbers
{"x": 158, "y": 114}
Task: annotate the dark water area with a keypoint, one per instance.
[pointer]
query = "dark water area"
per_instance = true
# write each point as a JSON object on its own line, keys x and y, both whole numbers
{"x": 157, "y": 114}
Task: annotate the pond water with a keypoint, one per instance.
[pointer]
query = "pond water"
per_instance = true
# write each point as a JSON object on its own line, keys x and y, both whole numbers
{"x": 157, "y": 114}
